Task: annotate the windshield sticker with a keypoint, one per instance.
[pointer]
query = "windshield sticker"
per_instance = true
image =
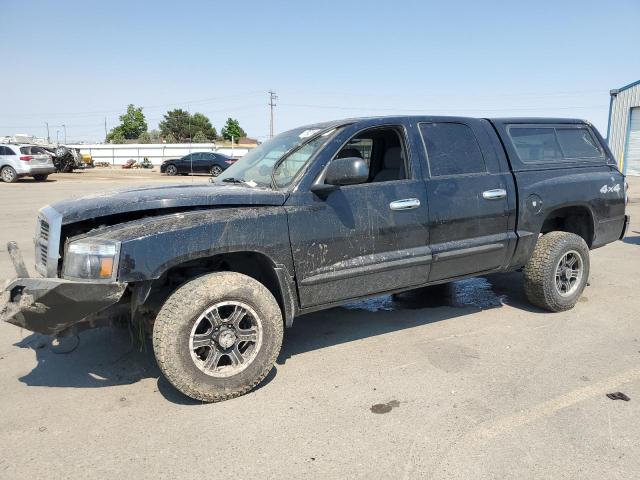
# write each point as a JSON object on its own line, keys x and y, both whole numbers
{"x": 308, "y": 133}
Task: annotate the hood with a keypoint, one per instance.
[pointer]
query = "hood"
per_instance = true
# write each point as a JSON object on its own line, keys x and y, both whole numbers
{"x": 164, "y": 197}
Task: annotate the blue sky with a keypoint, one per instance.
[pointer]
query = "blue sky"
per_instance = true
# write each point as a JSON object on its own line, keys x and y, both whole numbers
{"x": 77, "y": 62}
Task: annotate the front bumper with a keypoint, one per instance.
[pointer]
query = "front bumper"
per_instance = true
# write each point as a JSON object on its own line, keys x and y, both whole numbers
{"x": 53, "y": 306}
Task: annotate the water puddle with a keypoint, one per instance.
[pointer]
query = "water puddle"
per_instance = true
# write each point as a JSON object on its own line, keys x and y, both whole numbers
{"x": 472, "y": 292}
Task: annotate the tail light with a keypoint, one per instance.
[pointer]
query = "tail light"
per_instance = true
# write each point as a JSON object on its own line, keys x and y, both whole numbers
{"x": 26, "y": 158}
{"x": 230, "y": 162}
{"x": 626, "y": 193}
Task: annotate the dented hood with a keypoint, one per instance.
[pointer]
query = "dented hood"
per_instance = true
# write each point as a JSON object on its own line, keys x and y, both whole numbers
{"x": 164, "y": 197}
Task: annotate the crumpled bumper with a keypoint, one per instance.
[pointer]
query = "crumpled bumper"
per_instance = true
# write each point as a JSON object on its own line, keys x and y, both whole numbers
{"x": 54, "y": 306}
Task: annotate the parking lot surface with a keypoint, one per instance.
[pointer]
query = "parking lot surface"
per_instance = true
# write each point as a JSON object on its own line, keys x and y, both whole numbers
{"x": 468, "y": 382}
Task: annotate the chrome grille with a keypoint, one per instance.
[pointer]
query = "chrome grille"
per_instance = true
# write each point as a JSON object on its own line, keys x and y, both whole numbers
{"x": 47, "y": 242}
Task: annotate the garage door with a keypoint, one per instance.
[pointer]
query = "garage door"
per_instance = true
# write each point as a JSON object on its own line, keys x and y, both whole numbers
{"x": 632, "y": 155}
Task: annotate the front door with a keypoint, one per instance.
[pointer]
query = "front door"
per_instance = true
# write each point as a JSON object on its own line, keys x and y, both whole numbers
{"x": 363, "y": 239}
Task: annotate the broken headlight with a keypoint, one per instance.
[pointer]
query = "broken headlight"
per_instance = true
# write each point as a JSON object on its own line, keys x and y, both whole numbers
{"x": 89, "y": 259}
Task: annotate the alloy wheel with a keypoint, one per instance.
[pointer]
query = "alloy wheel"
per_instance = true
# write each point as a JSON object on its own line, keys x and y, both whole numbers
{"x": 568, "y": 275}
{"x": 225, "y": 339}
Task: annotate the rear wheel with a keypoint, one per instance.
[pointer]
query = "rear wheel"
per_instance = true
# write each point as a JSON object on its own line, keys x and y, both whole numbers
{"x": 215, "y": 170}
{"x": 171, "y": 170}
{"x": 40, "y": 178}
{"x": 218, "y": 336}
{"x": 8, "y": 174}
{"x": 557, "y": 272}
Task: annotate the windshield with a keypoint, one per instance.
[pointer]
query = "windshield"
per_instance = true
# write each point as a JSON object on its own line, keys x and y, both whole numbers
{"x": 256, "y": 167}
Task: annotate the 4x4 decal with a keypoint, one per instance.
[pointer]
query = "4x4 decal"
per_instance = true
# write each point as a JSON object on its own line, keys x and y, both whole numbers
{"x": 608, "y": 189}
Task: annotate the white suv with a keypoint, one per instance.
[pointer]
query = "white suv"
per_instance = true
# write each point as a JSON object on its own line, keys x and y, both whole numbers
{"x": 24, "y": 161}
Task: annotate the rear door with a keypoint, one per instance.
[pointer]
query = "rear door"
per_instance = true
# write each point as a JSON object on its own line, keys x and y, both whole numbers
{"x": 471, "y": 198}
{"x": 7, "y": 156}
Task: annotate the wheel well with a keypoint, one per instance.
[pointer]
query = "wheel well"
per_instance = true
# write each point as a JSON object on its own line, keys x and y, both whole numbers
{"x": 574, "y": 219}
{"x": 253, "y": 264}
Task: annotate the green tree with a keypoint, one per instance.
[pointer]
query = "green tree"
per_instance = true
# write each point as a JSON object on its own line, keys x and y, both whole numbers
{"x": 184, "y": 126}
{"x": 176, "y": 122}
{"x": 201, "y": 123}
{"x": 169, "y": 138}
{"x": 132, "y": 124}
{"x": 144, "y": 138}
{"x": 232, "y": 129}
{"x": 199, "y": 137}
{"x": 116, "y": 136}
{"x": 155, "y": 136}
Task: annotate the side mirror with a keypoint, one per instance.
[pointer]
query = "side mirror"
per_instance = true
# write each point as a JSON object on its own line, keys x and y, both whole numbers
{"x": 341, "y": 171}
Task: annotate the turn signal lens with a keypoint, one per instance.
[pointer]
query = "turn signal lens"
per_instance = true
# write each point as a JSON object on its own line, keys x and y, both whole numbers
{"x": 106, "y": 267}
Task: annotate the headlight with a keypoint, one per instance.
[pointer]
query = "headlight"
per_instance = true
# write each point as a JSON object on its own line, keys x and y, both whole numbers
{"x": 91, "y": 259}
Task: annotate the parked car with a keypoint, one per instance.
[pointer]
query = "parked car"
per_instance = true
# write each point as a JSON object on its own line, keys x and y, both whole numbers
{"x": 199, "y": 162}
{"x": 18, "y": 161}
{"x": 318, "y": 216}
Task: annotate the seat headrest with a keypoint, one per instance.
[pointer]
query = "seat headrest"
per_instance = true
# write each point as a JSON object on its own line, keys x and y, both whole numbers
{"x": 393, "y": 158}
{"x": 349, "y": 152}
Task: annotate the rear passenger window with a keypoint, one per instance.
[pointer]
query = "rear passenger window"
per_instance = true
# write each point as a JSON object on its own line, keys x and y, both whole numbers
{"x": 578, "y": 143}
{"x": 552, "y": 144}
{"x": 452, "y": 149}
{"x": 535, "y": 144}
{"x": 6, "y": 151}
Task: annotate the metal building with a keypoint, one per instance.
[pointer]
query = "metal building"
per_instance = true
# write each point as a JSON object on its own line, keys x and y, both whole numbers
{"x": 623, "y": 129}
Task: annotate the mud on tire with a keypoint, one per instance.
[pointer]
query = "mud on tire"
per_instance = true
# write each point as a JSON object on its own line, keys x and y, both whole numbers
{"x": 540, "y": 273}
{"x": 175, "y": 327}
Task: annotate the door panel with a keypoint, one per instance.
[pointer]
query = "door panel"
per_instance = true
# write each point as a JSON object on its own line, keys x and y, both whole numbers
{"x": 469, "y": 195}
{"x": 468, "y": 231}
{"x": 352, "y": 243}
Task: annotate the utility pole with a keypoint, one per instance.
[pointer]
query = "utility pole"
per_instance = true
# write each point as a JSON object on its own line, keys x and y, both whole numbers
{"x": 65, "y": 133}
{"x": 48, "y": 139}
{"x": 272, "y": 103}
{"x": 105, "y": 129}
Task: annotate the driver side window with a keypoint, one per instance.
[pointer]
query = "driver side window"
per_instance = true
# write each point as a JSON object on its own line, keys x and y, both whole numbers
{"x": 384, "y": 151}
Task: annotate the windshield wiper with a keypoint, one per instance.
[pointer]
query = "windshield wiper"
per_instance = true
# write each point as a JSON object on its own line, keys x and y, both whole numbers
{"x": 233, "y": 180}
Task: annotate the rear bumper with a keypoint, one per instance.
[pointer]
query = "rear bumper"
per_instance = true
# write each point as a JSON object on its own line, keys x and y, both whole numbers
{"x": 28, "y": 170}
{"x": 53, "y": 306}
{"x": 625, "y": 226}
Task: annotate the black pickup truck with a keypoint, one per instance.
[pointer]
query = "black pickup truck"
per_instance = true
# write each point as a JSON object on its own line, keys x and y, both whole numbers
{"x": 316, "y": 217}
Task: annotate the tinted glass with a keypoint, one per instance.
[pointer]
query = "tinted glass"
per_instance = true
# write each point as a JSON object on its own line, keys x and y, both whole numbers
{"x": 452, "y": 149}
{"x": 553, "y": 144}
{"x": 578, "y": 143}
{"x": 6, "y": 151}
{"x": 536, "y": 144}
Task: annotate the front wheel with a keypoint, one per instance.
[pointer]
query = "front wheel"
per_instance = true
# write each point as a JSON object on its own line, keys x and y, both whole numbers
{"x": 218, "y": 336}
{"x": 171, "y": 170}
{"x": 557, "y": 272}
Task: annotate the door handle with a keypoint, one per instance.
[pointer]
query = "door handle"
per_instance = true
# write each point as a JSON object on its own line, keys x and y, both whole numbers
{"x": 496, "y": 194}
{"x": 404, "y": 204}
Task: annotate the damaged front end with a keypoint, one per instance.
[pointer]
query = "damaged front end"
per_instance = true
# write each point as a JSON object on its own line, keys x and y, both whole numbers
{"x": 55, "y": 306}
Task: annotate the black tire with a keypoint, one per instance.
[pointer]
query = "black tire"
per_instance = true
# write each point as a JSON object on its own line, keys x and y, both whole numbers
{"x": 540, "y": 281}
{"x": 177, "y": 322}
{"x": 40, "y": 178}
{"x": 171, "y": 170}
{"x": 216, "y": 170}
{"x": 8, "y": 174}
